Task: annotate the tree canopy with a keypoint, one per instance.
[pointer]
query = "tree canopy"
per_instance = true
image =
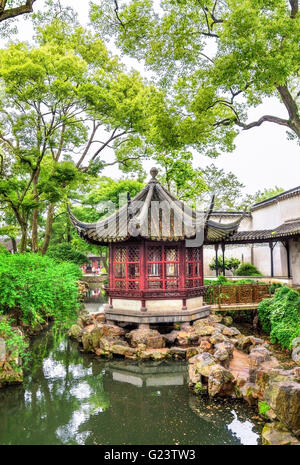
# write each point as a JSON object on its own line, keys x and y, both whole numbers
{"x": 217, "y": 58}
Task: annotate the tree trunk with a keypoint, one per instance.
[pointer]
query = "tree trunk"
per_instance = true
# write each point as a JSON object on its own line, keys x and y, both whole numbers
{"x": 14, "y": 244}
{"x": 23, "y": 242}
{"x": 35, "y": 215}
{"x": 48, "y": 228}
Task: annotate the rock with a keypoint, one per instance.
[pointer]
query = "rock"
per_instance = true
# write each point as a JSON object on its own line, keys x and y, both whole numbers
{"x": 275, "y": 434}
{"x": 221, "y": 355}
{"x": 284, "y": 398}
{"x": 106, "y": 343}
{"x": 205, "y": 346}
{"x": 185, "y": 338}
{"x": 155, "y": 354}
{"x": 204, "y": 330}
{"x": 296, "y": 342}
{"x": 171, "y": 337}
{"x": 112, "y": 331}
{"x": 296, "y": 355}
{"x": 217, "y": 318}
{"x": 150, "y": 337}
{"x": 220, "y": 382}
{"x": 217, "y": 337}
{"x": 257, "y": 356}
{"x": 178, "y": 352}
{"x": 244, "y": 343}
{"x": 75, "y": 332}
{"x": 208, "y": 321}
{"x": 99, "y": 317}
{"x": 190, "y": 352}
{"x": 103, "y": 353}
{"x": 227, "y": 320}
{"x": 230, "y": 332}
{"x": 120, "y": 349}
{"x": 86, "y": 340}
{"x": 204, "y": 363}
{"x": 225, "y": 346}
{"x": 2, "y": 350}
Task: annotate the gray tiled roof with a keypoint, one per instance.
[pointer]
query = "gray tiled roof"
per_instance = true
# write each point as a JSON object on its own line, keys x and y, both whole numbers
{"x": 143, "y": 212}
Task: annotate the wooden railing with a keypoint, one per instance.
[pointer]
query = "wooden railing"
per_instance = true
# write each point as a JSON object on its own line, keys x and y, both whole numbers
{"x": 223, "y": 294}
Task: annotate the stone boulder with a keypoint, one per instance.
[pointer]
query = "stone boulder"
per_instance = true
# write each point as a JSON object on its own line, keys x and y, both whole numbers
{"x": 185, "y": 338}
{"x": 296, "y": 355}
{"x": 125, "y": 350}
{"x": 112, "y": 331}
{"x": 171, "y": 337}
{"x": 284, "y": 398}
{"x": 75, "y": 332}
{"x": 231, "y": 332}
{"x": 296, "y": 342}
{"x": 178, "y": 352}
{"x": 205, "y": 330}
{"x": 227, "y": 320}
{"x": 106, "y": 343}
{"x": 150, "y": 337}
{"x": 276, "y": 434}
{"x": 220, "y": 382}
{"x": 204, "y": 363}
{"x": 217, "y": 337}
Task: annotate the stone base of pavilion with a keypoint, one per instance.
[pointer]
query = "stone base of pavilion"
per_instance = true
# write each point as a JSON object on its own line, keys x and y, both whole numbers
{"x": 145, "y": 318}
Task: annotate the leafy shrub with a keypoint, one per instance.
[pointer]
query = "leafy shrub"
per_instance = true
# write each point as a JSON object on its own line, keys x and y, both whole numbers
{"x": 65, "y": 252}
{"x": 14, "y": 340}
{"x": 231, "y": 264}
{"x": 246, "y": 269}
{"x": 280, "y": 316}
{"x": 34, "y": 288}
{"x": 263, "y": 407}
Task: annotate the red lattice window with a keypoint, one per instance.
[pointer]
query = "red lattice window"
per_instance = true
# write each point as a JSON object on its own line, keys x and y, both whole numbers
{"x": 193, "y": 268}
{"x": 162, "y": 267}
{"x": 126, "y": 263}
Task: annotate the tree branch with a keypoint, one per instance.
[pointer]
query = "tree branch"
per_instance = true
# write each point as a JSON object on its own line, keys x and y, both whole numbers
{"x": 17, "y": 11}
{"x": 263, "y": 119}
{"x": 294, "y": 8}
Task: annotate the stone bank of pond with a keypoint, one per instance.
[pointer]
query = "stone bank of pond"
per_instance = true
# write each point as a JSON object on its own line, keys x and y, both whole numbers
{"x": 74, "y": 398}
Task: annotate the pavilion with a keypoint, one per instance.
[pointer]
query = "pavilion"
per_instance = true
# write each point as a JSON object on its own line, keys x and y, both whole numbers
{"x": 155, "y": 256}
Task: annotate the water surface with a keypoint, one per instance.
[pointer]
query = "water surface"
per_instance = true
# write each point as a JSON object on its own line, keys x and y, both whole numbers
{"x": 73, "y": 398}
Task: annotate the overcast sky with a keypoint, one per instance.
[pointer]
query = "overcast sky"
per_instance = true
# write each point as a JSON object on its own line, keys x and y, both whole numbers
{"x": 263, "y": 156}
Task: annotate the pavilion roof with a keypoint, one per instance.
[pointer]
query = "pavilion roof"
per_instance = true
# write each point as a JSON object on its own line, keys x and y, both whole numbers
{"x": 155, "y": 214}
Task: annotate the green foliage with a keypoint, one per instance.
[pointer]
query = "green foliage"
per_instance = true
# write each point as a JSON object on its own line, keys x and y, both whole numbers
{"x": 263, "y": 407}
{"x": 216, "y": 58}
{"x": 247, "y": 269}
{"x": 65, "y": 252}
{"x": 34, "y": 288}
{"x": 14, "y": 340}
{"x": 3, "y": 250}
{"x": 231, "y": 264}
{"x": 280, "y": 316}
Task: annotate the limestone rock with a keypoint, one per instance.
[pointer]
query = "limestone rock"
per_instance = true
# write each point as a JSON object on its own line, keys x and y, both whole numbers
{"x": 106, "y": 343}
{"x": 275, "y": 434}
{"x": 185, "y": 338}
{"x": 227, "y": 320}
{"x": 221, "y": 354}
{"x": 296, "y": 342}
{"x": 217, "y": 337}
{"x": 220, "y": 382}
{"x": 230, "y": 332}
{"x": 178, "y": 352}
{"x": 284, "y": 398}
{"x": 86, "y": 340}
{"x": 171, "y": 337}
{"x": 120, "y": 349}
{"x": 191, "y": 351}
{"x": 2, "y": 350}
{"x": 258, "y": 355}
{"x": 296, "y": 355}
{"x": 112, "y": 331}
{"x": 150, "y": 337}
{"x": 204, "y": 330}
{"x": 204, "y": 364}
{"x": 205, "y": 346}
{"x": 75, "y": 332}
{"x": 155, "y": 354}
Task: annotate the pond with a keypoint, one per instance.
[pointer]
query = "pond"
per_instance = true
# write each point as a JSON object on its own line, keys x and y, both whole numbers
{"x": 74, "y": 398}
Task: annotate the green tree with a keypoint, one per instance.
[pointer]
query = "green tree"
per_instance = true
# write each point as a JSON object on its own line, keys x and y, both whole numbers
{"x": 60, "y": 96}
{"x": 216, "y": 58}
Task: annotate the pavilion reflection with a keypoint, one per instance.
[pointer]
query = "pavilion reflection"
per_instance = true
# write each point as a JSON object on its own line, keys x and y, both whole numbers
{"x": 146, "y": 375}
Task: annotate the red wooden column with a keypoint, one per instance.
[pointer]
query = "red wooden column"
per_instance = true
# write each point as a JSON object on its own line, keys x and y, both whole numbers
{"x": 143, "y": 271}
{"x": 182, "y": 271}
{"x": 202, "y": 267}
{"x": 111, "y": 270}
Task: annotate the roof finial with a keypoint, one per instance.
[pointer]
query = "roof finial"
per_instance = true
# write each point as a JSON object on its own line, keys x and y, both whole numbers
{"x": 154, "y": 173}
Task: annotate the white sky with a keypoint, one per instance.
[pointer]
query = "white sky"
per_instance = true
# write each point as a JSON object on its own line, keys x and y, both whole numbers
{"x": 263, "y": 156}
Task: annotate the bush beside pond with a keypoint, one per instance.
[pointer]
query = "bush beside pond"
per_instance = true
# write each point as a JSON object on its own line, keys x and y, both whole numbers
{"x": 280, "y": 316}
{"x": 34, "y": 289}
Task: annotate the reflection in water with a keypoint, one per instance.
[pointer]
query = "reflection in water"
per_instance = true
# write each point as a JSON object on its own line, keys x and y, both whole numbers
{"x": 74, "y": 398}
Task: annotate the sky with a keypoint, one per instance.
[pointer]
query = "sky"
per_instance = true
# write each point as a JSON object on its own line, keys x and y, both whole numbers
{"x": 263, "y": 156}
